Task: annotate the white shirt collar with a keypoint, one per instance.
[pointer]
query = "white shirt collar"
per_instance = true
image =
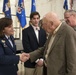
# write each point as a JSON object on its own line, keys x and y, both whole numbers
{"x": 57, "y": 28}
{"x": 7, "y": 36}
{"x": 36, "y": 28}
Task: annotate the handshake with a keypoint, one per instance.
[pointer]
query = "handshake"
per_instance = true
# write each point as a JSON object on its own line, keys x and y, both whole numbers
{"x": 24, "y": 57}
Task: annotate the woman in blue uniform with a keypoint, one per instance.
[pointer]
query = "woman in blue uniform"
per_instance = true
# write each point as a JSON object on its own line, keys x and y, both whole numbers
{"x": 8, "y": 57}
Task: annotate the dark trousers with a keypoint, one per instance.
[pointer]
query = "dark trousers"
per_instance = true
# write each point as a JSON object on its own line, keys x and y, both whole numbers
{"x": 44, "y": 70}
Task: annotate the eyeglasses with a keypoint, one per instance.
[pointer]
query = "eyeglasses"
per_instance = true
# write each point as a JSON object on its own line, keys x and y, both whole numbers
{"x": 66, "y": 17}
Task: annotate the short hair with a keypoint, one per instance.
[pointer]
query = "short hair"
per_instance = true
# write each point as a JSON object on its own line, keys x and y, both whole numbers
{"x": 34, "y": 13}
{"x": 4, "y": 22}
{"x": 71, "y": 12}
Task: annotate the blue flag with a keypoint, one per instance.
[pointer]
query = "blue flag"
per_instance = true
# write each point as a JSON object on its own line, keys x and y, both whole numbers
{"x": 21, "y": 13}
{"x": 33, "y": 6}
{"x": 6, "y": 8}
{"x": 65, "y": 5}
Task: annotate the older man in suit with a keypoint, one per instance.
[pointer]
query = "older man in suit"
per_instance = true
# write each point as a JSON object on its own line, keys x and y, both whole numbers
{"x": 70, "y": 18}
{"x": 60, "y": 49}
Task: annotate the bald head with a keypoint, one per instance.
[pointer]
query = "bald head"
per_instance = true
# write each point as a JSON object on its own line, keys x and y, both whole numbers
{"x": 51, "y": 16}
{"x": 51, "y": 21}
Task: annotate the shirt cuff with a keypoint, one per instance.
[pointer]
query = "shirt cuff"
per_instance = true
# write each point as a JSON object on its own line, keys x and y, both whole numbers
{"x": 38, "y": 60}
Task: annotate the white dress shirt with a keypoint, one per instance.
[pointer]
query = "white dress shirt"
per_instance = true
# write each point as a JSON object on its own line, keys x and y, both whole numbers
{"x": 36, "y": 30}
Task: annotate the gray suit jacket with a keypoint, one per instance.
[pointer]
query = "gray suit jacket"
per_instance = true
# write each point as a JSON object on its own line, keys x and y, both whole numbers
{"x": 62, "y": 57}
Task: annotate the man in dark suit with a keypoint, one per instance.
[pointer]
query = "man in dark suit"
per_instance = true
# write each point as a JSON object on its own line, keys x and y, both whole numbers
{"x": 33, "y": 37}
{"x": 59, "y": 51}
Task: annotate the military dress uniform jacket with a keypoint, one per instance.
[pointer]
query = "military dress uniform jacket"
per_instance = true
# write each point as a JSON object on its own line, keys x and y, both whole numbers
{"x": 8, "y": 59}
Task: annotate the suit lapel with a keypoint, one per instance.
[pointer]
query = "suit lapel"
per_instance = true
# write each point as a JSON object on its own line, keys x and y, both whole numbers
{"x": 33, "y": 33}
{"x": 14, "y": 46}
{"x": 40, "y": 35}
{"x": 8, "y": 44}
{"x": 46, "y": 44}
{"x": 55, "y": 40}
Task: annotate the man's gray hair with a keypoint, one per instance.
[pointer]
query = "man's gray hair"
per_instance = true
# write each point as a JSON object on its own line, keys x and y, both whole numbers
{"x": 72, "y": 12}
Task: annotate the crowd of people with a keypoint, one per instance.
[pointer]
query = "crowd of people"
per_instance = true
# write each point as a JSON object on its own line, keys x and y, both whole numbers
{"x": 55, "y": 55}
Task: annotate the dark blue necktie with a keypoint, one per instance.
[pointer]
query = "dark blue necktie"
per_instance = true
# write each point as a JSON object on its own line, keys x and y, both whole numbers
{"x": 9, "y": 39}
